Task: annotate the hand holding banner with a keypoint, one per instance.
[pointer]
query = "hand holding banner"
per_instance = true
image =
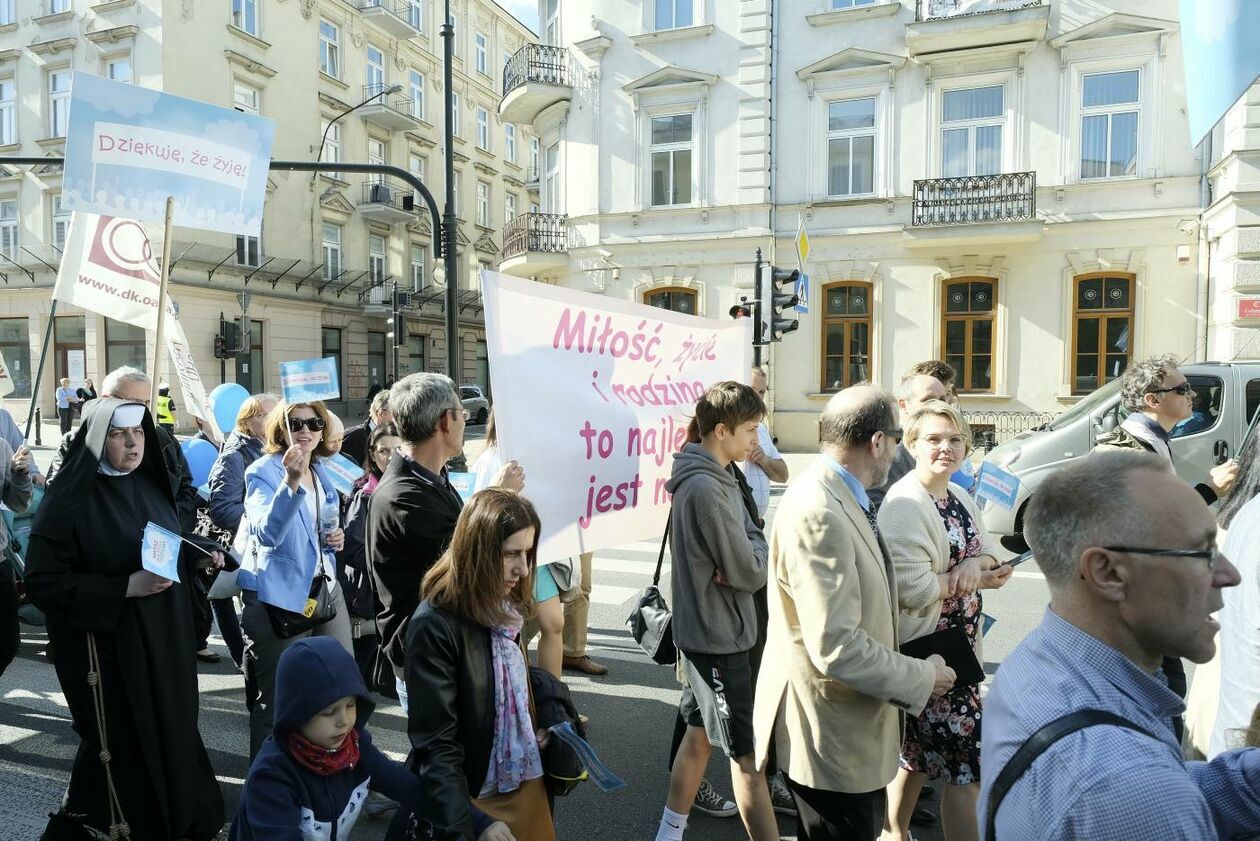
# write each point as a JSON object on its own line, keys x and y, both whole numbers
{"x": 159, "y": 552}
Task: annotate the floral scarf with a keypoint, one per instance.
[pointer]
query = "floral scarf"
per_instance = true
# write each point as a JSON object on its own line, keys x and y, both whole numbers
{"x": 323, "y": 761}
{"x": 514, "y": 757}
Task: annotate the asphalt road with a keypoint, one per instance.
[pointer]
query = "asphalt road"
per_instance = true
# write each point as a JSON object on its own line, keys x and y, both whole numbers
{"x": 631, "y": 712}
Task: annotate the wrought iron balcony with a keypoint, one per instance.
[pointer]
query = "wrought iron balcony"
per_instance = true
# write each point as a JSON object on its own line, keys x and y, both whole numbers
{"x": 975, "y": 199}
{"x": 941, "y": 26}
{"x": 536, "y": 77}
{"x": 385, "y": 201}
{"x": 392, "y": 113}
{"x": 534, "y": 244}
{"x": 937, "y": 9}
{"x": 396, "y": 17}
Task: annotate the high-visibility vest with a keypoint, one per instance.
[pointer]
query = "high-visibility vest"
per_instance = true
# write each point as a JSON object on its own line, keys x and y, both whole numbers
{"x": 164, "y": 412}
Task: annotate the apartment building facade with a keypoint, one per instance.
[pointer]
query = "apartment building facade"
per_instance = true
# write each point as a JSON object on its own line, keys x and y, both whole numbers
{"x": 1004, "y": 184}
{"x": 334, "y": 246}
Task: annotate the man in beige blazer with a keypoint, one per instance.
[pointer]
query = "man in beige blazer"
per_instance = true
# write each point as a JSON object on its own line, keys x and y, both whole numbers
{"x": 834, "y": 694}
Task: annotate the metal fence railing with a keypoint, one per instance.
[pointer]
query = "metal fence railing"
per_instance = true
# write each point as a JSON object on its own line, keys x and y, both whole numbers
{"x": 988, "y": 429}
{"x": 536, "y": 63}
{"x": 535, "y": 233}
{"x": 975, "y": 199}
{"x": 937, "y": 9}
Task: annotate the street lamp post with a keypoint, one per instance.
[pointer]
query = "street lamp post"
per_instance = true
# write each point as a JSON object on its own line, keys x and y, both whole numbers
{"x": 448, "y": 213}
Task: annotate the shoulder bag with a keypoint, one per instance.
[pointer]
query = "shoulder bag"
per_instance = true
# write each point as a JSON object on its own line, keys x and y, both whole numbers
{"x": 319, "y": 607}
{"x": 651, "y": 622}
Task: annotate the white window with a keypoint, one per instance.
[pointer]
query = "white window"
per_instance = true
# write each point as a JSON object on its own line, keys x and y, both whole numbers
{"x": 483, "y": 203}
{"x": 245, "y": 16}
{"x": 672, "y": 14}
{"x": 60, "y": 222}
{"x": 454, "y": 22}
{"x": 58, "y": 102}
{"x": 418, "y": 261}
{"x": 1109, "y": 124}
{"x": 415, "y": 86}
{"x": 509, "y": 142}
{"x": 507, "y": 59}
{"x": 118, "y": 68}
{"x": 332, "y": 145}
{"x": 8, "y": 112}
{"x": 375, "y": 70}
{"x": 551, "y": 179}
{"x": 851, "y": 147}
{"x": 455, "y": 114}
{"x": 671, "y": 157}
{"x": 533, "y": 207}
{"x": 551, "y": 22}
{"x": 509, "y": 207}
{"x": 483, "y": 129}
{"x": 971, "y": 131}
{"x": 378, "y": 153}
{"x": 246, "y": 98}
{"x": 415, "y": 14}
{"x": 332, "y": 251}
{"x": 459, "y": 178}
{"x": 533, "y": 156}
{"x": 8, "y": 14}
{"x": 479, "y": 46}
{"x": 248, "y": 251}
{"x": 329, "y": 49}
{"x": 56, "y": 6}
{"x": 850, "y": 4}
{"x": 376, "y": 258}
{"x": 416, "y": 166}
{"x": 9, "y": 228}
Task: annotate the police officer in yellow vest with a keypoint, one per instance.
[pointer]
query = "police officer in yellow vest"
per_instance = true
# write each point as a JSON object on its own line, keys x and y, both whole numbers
{"x": 165, "y": 408}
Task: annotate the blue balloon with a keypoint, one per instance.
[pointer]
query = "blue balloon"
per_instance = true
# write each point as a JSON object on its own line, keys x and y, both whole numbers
{"x": 225, "y": 402}
{"x": 201, "y": 455}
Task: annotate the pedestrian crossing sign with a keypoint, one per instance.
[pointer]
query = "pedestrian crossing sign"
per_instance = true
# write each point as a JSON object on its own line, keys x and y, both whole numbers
{"x": 802, "y": 293}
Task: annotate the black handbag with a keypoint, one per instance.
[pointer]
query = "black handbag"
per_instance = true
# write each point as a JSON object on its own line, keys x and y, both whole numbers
{"x": 651, "y": 622}
{"x": 319, "y": 610}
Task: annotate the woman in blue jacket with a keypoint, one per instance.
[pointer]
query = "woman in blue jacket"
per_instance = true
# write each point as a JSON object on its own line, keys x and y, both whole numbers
{"x": 293, "y": 537}
{"x": 242, "y": 448}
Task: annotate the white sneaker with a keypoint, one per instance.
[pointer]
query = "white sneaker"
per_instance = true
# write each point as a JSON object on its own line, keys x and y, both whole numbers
{"x": 711, "y": 803}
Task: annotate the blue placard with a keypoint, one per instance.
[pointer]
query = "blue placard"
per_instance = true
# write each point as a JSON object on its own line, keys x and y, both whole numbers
{"x": 343, "y": 472}
{"x": 997, "y": 486}
{"x": 159, "y": 551}
{"x": 802, "y": 293}
{"x": 464, "y": 483}
{"x": 128, "y": 148}
{"x": 1221, "y": 61}
{"x": 309, "y": 380}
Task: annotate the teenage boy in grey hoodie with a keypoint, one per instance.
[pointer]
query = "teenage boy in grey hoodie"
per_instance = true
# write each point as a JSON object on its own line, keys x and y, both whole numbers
{"x": 718, "y": 561}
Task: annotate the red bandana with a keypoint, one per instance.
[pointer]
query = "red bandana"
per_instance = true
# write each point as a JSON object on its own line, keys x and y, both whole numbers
{"x": 322, "y": 761}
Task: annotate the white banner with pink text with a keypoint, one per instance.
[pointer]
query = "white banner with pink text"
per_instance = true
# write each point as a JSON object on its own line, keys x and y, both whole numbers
{"x": 592, "y": 395}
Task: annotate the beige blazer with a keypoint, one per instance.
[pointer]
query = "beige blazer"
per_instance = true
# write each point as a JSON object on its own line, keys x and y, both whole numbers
{"x": 916, "y": 537}
{"x": 833, "y": 687}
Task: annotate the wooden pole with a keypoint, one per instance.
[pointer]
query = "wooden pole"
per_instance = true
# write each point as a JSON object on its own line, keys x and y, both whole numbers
{"x": 159, "y": 351}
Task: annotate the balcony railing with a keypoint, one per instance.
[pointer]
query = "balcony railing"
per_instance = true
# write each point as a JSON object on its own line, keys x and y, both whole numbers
{"x": 988, "y": 429}
{"x": 938, "y": 9}
{"x": 975, "y": 199}
{"x": 536, "y": 63}
{"x": 401, "y": 104}
{"x": 384, "y": 191}
{"x": 536, "y": 233}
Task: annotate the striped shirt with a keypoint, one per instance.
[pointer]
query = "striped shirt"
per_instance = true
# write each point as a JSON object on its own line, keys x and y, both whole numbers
{"x": 1105, "y": 782}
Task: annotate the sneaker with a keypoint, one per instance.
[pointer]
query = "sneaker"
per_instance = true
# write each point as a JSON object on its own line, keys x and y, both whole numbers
{"x": 711, "y": 803}
{"x": 780, "y": 797}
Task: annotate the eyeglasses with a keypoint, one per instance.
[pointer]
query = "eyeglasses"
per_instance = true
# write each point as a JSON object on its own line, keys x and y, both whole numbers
{"x": 463, "y": 412}
{"x": 894, "y": 433}
{"x": 1184, "y": 390}
{"x": 313, "y": 424}
{"x": 1212, "y": 556}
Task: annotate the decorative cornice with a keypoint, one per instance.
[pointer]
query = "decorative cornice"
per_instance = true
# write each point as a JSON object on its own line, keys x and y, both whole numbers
{"x": 111, "y": 6}
{"x": 249, "y": 64}
{"x": 334, "y": 201}
{"x": 54, "y": 46}
{"x": 423, "y": 140}
{"x": 57, "y": 17}
{"x": 10, "y": 55}
{"x": 482, "y": 166}
{"x": 332, "y": 101}
{"x": 247, "y": 37}
{"x": 486, "y": 243}
{"x": 595, "y": 47}
{"x": 112, "y": 35}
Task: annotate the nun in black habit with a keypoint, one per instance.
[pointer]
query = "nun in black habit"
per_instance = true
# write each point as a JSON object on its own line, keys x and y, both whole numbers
{"x": 84, "y": 572}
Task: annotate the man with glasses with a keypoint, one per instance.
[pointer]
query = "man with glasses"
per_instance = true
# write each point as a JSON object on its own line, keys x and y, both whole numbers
{"x": 412, "y": 513}
{"x": 913, "y": 392}
{"x": 1129, "y": 554}
{"x": 834, "y": 694}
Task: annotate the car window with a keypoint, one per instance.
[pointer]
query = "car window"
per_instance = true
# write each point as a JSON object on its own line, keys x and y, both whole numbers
{"x": 467, "y": 394}
{"x": 1209, "y": 393}
{"x": 1253, "y": 399}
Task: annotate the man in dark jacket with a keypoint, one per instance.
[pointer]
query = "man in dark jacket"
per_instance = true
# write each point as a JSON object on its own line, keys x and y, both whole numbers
{"x": 913, "y": 391}
{"x": 354, "y": 442}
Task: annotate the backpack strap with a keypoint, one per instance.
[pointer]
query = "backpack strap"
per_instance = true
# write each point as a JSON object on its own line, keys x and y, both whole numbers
{"x": 660, "y": 559}
{"x": 1037, "y": 744}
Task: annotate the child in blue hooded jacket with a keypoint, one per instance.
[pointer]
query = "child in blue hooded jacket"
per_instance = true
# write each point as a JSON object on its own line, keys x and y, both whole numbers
{"x": 312, "y": 775}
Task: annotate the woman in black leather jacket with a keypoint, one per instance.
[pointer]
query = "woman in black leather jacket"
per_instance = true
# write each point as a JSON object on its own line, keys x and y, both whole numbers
{"x": 474, "y": 735}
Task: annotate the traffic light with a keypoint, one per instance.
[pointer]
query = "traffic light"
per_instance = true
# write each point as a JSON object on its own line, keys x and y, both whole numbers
{"x": 743, "y": 309}
{"x": 228, "y": 343}
{"x": 774, "y": 301}
{"x": 400, "y": 329}
{"x": 220, "y": 349}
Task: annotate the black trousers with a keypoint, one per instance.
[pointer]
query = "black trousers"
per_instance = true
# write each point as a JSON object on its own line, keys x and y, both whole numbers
{"x": 837, "y": 815}
{"x": 65, "y": 416}
{"x": 10, "y": 632}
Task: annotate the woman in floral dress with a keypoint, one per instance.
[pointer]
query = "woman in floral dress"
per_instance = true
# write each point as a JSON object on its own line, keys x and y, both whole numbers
{"x": 943, "y": 558}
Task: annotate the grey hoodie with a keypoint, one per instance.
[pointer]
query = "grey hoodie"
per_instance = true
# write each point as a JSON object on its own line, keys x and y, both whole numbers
{"x": 710, "y": 530}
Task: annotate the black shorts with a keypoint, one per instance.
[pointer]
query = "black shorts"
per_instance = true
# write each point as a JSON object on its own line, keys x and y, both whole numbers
{"x": 720, "y": 699}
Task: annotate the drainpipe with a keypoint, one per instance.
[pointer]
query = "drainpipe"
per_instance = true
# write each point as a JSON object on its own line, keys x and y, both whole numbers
{"x": 774, "y": 167}
{"x": 1203, "y": 284}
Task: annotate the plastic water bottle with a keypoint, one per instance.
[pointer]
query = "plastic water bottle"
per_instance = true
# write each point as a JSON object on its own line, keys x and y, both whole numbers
{"x": 327, "y": 519}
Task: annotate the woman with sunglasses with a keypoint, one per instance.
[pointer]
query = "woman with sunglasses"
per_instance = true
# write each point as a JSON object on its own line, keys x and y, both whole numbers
{"x": 291, "y": 510}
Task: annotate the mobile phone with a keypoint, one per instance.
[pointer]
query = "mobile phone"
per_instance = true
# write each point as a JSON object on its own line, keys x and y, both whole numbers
{"x": 1018, "y": 559}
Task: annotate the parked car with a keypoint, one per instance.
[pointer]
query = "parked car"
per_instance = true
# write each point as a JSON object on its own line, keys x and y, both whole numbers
{"x": 475, "y": 402}
{"x": 1227, "y": 397}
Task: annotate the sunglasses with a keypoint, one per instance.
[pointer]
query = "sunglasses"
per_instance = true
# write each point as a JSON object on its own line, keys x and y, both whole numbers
{"x": 313, "y": 424}
{"x": 894, "y": 434}
{"x": 1184, "y": 389}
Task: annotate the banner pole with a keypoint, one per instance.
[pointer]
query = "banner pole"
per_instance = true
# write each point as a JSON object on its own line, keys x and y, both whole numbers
{"x": 39, "y": 373}
{"x": 160, "y": 333}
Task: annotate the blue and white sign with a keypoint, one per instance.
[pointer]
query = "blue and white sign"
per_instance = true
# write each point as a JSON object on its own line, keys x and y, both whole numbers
{"x": 802, "y": 293}
{"x": 343, "y": 472}
{"x": 465, "y": 484}
{"x": 1219, "y": 39}
{"x": 128, "y": 148}
{"x": 159, "y": 551}
{"x": 309, "y": 380}
{"x": 997, "y": 486}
